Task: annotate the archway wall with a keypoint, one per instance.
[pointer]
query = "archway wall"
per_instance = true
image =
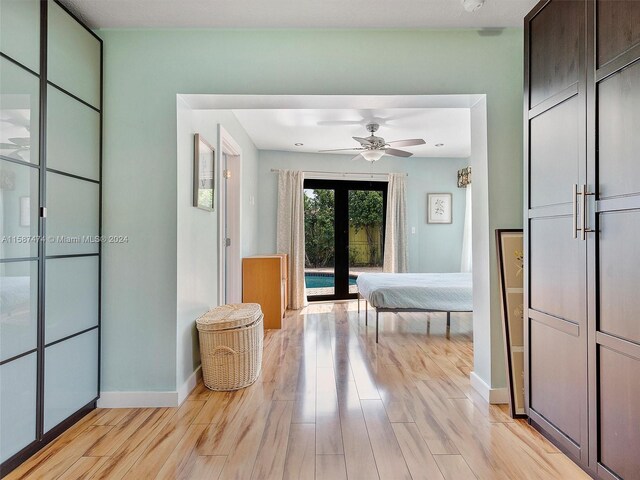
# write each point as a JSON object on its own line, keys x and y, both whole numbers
{"x": 145, "y": 69}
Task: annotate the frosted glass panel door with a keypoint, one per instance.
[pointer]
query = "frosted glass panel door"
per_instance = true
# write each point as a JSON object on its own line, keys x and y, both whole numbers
{"x": 18, "y": 400}
{"x": 73, "y": 136}
{"x": 19, "y": 111}
{"x": 73, "y": 60}
{"x": 72, "y": 252}
{"x": 20, "y": 182}
{"x": 18, "y": 308}
{"x": 71, "y": 379}
{"x": 73, "y": 209}
{"x": 20, "y": 31}
{"x": 50, "y": 90}
{"x": 71, "y": 278}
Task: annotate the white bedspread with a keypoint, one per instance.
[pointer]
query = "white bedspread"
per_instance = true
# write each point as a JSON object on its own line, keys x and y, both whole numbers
{"x": 446, "y": 292}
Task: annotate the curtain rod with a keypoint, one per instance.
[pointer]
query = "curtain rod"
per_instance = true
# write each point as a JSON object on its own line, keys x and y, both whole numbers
{"x": 276, "y": 170}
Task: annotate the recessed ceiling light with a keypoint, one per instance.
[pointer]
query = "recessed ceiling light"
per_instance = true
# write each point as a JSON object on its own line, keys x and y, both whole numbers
{"x": 439, "y": 144}
{"x": 298, "y": 144}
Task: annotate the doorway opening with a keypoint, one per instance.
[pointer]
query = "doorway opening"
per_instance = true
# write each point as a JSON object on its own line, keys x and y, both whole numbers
{"x": 344, "y": 235}
{"x": 229, "y": 219}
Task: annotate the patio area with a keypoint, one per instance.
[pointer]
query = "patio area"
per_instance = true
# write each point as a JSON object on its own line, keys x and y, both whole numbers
{"x": 354, "y": 272}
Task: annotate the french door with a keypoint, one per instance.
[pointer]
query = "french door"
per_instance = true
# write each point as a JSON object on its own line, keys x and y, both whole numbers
{"x": 344, "y": 235}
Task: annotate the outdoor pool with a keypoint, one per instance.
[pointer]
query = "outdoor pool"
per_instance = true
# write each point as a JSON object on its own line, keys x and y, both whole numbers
{"x": 323, "y": 280}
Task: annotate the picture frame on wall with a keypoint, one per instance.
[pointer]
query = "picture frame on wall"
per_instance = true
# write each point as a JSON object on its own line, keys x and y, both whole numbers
{"x": 439, "y": 208}
{"x": 203, "y": 174}
{"x": 510, "y": 250}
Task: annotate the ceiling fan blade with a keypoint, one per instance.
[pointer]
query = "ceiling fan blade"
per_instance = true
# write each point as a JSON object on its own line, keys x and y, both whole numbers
{"x": 8, "y": 146}
{"x": 342, "y": 149}
{"x": 363, "y": 141}
{"x": 16, "y": 119}
{"x": 357, "y": 157}
{"x": 410, "y": 142}
{"x": 397, "y": 153}
{"x": 15, "y": 155}
{"x": 337, "y": 123}
{"x": 21, "y": 141}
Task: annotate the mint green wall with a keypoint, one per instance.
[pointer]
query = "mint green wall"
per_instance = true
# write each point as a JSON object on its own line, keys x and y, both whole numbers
{"x": 197, "y": 241}
{"x": 145, "y": 69}
{"x": 432, "y": 248}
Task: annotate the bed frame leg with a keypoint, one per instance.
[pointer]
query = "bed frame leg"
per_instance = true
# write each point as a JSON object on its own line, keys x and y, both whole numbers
{"x": 377, "y": 315}
{"x": 448, "y": 319}
{"x": 366, "y": 313}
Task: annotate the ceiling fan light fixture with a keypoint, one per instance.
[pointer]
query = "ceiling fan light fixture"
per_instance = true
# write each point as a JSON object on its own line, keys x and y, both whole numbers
{"x": 472, "y": 5}
{"x": 372, "y": 155}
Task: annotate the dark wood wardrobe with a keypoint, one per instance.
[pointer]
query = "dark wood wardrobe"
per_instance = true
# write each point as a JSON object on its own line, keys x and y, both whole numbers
{"x": 582, "y": 230}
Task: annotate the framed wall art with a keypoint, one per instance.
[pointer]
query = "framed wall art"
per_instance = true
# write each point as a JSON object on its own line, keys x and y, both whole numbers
{"x": 439, "y": 208}
{"x": 203, "y": 174}
{"x": 510, "y": 269}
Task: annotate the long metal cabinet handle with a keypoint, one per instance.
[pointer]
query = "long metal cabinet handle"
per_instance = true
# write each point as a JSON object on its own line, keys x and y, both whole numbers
{"x": 584, "y": 229}
{"x": 574, "y": 196}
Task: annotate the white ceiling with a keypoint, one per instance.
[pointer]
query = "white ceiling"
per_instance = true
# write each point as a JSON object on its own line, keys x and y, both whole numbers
{"x": 299, "y": 13}
{"x": 320, "y": 129}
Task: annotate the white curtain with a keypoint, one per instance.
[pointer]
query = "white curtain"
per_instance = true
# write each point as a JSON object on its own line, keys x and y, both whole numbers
{"x": 466, "y": 259}
{"x": 290, "y": 232}
{"x": 395, "y": 239}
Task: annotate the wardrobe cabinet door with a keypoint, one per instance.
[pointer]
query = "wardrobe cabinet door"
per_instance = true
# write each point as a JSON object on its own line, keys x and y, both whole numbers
{"x": 556, "y": 289}
{"x": 615, "y": 359}
{"x": 618, "y": 27}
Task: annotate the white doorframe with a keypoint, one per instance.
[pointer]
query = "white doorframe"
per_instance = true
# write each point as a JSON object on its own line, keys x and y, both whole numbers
{"x": 230, "y": 214}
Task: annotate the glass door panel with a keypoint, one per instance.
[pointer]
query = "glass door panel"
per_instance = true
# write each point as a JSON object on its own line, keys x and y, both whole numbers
{"x": 319, "y": 224}
{"x": 18, "y": 400}
{"x": 19, "y": 113}
{"x": 366, "y": 232}
{"x": 73, "y": 136}
{"x": 77, "y": 278}
{"x": 344, "y": 229}
{"x": 71, "y": 379}
{"x": 20, "y": 31}
{"x": 18, "y": 308}
{"x": 73, "y": 207}
{"x": 18, "y": 210}
{"x": 73, "y": 57}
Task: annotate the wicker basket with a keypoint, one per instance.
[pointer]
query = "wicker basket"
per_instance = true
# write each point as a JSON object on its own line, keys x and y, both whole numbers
{"x": 231, "y": 346}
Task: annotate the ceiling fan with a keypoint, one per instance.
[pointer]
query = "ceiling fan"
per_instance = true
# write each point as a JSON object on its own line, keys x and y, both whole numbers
{"x": 373, "y": 148}
{"x": 17, "y": 145}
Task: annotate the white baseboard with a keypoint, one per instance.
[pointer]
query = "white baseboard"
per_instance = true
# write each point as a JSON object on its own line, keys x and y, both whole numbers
{"x": 491, "y": 395}
{"x": 137, "y": 399}
{"x": 189, "y": 385}
{"x": 150, "y": 399}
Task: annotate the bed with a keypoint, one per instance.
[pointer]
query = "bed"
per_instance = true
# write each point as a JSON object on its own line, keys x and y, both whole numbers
{"x": 415, "y": 292}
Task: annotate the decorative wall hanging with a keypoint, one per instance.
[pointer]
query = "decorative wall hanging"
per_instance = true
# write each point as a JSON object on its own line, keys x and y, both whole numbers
{"x": 510, "y": 269}
{"x": 464, "y": 177}
{"x": 203, "y": 174}
{"x": 438, "y": 208}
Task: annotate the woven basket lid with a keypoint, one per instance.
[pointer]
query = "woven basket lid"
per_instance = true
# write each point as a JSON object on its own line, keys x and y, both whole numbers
{"x": 227, "y": 317}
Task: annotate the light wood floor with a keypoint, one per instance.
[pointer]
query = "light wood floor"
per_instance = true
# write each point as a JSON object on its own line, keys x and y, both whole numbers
{"x": 330, "y": 404}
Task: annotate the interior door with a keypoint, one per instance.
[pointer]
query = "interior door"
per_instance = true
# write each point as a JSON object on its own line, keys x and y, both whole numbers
{"x": 615, "y": 335}
{"x": 556, "y": 290}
